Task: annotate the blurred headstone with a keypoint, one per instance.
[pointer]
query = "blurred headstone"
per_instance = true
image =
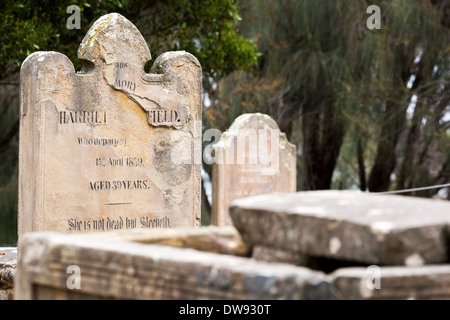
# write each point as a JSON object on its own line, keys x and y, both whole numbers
{"x": 252, "y": 157}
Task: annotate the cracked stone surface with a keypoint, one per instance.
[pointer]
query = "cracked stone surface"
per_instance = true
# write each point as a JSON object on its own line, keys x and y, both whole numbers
{"x": 347, "y": 225}
{"x": 112, "y": 268}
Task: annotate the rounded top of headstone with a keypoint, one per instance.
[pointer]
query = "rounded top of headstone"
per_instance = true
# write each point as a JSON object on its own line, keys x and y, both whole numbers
{"x": 113, "y": 38}
{"x": 246, "y": 121}
{"x": 261, "y": 120}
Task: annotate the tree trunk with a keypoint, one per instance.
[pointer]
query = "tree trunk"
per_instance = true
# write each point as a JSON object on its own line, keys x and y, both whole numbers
{"x": 323, "y": 135}
{"x": 380, "y": 175}
{"x": 310, "y": 128}
{"x": 361, "y": 166}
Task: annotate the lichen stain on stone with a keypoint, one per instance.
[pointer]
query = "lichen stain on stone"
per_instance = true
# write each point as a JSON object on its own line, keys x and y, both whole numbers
{"x": 91, "y": 35}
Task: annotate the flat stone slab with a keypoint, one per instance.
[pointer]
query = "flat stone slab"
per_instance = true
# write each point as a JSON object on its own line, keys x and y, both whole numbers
{"x": 425, "y": 282}
{"x": 107, "y": 268}
{"x": 347, "y": 225}
{"x": 223, "y": 240}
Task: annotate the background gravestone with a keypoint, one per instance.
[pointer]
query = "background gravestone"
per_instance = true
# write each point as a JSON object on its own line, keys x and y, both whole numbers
{"x": 252, "y": 157}
{"x": 99, "y": 148}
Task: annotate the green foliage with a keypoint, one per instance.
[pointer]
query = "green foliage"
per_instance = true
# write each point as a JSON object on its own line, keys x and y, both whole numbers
{"x": 8, "y": 210}
{"x": 8, "y": 165}
{"x": 206, "y": 28}
{"x": 332, "y": 85}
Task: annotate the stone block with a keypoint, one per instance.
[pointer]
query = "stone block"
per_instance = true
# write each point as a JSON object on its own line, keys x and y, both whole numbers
{"x": 89, "y": 266}
{"x": 346, "y": 225}
{"x": 397, "y": 282}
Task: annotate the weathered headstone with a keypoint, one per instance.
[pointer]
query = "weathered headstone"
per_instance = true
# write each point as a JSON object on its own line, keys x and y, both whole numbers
{"x": 252, "y": 157}
{"x": 99, "y": 148}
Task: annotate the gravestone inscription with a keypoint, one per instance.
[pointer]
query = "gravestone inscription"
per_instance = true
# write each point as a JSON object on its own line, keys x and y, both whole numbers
{"x": 252, "y": 157}
{"x": 98, "y": 148}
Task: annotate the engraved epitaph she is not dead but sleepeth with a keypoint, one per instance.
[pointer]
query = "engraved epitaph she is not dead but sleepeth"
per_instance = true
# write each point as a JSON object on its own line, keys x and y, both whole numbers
{"x": 97, "y": 147}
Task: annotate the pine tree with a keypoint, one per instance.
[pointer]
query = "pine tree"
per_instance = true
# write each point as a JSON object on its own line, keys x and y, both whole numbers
{"x": 367, "y": 108}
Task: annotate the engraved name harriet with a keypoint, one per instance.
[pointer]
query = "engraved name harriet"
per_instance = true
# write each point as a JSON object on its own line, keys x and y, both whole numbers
{"x": 86, "y": 117}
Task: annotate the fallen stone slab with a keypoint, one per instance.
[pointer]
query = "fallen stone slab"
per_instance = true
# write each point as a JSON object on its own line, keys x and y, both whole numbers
{"x": 58, "y": 266}
{"x": 424, "y": 282}
{"x": 223, "y": 240}
{"x": 276, "y": 255}
{"x": 347, "y": 225}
